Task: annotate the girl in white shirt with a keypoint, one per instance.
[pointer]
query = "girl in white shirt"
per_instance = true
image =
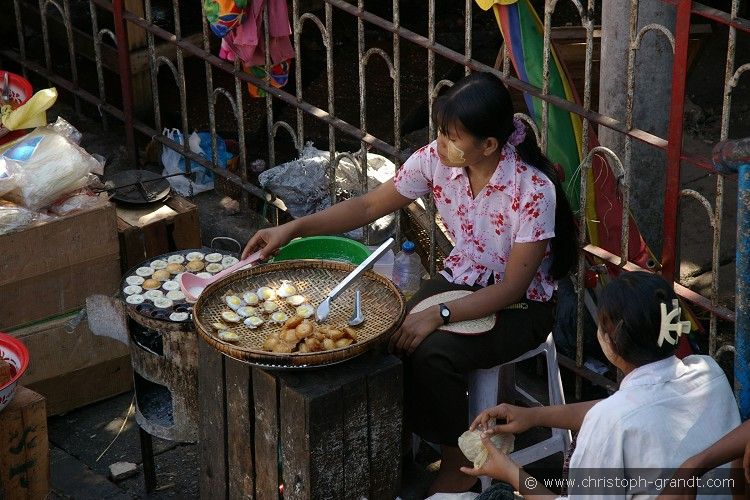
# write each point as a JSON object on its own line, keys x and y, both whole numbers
{"x": 665, "y": 411}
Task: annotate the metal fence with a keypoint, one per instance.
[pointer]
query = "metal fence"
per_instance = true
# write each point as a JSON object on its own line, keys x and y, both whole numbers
{"x": 125, "y": 16}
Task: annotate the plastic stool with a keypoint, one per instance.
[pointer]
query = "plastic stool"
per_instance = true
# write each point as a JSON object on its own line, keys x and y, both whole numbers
{"x": 483, "y": 393}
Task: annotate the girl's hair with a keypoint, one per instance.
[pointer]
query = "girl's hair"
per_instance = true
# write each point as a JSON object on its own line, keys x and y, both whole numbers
{"x": 630, "y": 315}
{"x": 482, "y": 105}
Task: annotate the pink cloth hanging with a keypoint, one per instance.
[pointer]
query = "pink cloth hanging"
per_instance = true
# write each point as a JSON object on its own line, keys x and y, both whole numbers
{"x": 246, "y": 41}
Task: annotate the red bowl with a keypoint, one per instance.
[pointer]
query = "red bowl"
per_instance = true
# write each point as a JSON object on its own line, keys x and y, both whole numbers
{"x": 20, "y": 88}
{"x": 14, "y": 352}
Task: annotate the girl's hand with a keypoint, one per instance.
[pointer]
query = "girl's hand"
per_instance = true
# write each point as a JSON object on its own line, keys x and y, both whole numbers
{"x": 498, "y": 465}
{"x": 415, "y": 328}
{"x": 681, "y": 477}
{"x": 517, "y": 419}
{"x": 746, "y": 462}
{"x": 269, "y": 240}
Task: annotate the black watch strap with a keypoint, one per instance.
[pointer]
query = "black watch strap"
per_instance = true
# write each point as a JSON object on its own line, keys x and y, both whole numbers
{"x": 445, "y": 313}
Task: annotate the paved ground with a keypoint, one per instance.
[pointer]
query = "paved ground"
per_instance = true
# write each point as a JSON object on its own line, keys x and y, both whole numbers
{"x": 85, "y": 442}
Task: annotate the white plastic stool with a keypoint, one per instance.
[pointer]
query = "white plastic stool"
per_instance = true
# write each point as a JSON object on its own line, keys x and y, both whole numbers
{"x": 483, "y": 393}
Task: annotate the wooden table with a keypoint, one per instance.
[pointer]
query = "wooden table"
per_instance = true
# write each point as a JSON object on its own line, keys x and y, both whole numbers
{"x": 332, "y": 432}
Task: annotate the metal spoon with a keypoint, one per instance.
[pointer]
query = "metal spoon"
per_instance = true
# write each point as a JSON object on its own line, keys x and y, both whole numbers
{"x": 357, "y": 318}
{"x": 321, "y": 313}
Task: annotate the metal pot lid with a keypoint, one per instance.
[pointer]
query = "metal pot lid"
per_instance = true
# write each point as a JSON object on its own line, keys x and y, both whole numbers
{"x": 140, "y": 187}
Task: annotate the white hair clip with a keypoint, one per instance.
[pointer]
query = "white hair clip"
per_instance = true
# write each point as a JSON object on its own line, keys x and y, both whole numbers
{"x": 670, "y": 322}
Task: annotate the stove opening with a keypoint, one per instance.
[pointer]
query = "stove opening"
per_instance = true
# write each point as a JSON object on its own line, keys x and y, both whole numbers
{"x": 154, "y": 401}
{"x": 145, "y": 338}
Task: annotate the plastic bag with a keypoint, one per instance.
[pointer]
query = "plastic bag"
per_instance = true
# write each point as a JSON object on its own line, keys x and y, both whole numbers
{"x": 48, "y": 165}
{"x": 33, "y": 113}
{"x": 78, "y": 200}
{"x": 8, "y": 177}
{"x": 14, "y": 217}
{"x": 303, "y": 185}
{"x": 174, "y": 163}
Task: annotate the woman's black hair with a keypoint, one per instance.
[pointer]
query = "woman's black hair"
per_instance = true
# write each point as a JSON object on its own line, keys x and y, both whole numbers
{"x": 482, "y": 105}
{"x": 630, "y": 315}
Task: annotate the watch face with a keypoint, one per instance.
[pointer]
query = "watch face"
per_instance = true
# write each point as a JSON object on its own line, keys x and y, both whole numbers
{"x": 445, "y": 312}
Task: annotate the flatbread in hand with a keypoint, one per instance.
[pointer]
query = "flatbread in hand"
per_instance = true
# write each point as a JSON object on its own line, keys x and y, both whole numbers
{"x": 472, "y": 447}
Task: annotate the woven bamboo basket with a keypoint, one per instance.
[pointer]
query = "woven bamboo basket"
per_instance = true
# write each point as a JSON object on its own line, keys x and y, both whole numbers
{"x": 382, "y": 304}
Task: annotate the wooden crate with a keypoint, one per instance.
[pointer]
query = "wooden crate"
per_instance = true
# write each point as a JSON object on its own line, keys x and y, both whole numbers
{"x": 329, "y": 433}
{"x": 87, "y": 385}
{"x": 50, "y": 269}
{"x": 76, "y": 368}
{"x": 24, "y": 449}
{"x": 155, "y": 230}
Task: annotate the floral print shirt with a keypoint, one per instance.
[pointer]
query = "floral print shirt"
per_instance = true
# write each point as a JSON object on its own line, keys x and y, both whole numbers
{"x": 516, "y": 206}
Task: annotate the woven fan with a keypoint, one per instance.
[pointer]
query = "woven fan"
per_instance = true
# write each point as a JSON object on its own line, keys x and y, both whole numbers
{"x": 468, "y": 327}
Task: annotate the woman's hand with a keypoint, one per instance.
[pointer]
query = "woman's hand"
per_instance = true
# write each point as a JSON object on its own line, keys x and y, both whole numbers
{"x": 498, "y": 465}
{"x": 269, "y": 240}
{"x": 517, "y": 419}
{"x": 415, "y": 328}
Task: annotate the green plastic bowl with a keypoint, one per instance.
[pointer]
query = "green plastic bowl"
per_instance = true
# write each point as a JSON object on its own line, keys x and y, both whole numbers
{"x": 324, "y": 247}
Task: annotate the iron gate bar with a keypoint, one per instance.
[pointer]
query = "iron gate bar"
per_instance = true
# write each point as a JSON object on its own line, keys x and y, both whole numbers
{"x": 681, "y": 290}
{"x": 606, "y": 121}
{"x": 284, "y": 96}
{"x": 146, "y": 130}
{"x": 125, "y": 83}
{"x": 722, "y": 17}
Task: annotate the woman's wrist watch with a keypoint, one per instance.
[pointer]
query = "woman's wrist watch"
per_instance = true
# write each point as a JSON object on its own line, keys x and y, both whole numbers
{"x": 445, "y": 313}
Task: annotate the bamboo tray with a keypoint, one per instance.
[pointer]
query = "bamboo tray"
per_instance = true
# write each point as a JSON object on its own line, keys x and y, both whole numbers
{"x": 382, "y": 304}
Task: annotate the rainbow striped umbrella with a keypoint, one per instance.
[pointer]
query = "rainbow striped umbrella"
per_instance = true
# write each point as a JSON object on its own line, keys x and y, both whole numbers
{"x": 523, "y": 33}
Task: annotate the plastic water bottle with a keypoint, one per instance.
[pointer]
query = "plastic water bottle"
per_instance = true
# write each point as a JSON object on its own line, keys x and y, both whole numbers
{"x": 407, "y": 270}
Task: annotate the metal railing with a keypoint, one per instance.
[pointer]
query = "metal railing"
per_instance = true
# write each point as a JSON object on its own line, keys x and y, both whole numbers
{"x": 124, "y": 19}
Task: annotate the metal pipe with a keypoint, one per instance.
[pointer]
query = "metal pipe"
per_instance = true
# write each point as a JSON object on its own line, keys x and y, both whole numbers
{"x": 432, "y": 92}
{"x": 734, "y": 157}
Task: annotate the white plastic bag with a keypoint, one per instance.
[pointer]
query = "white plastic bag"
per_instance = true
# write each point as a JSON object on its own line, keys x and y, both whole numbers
{"x": 174, "y": 163}
{"x": 14, "y": 217}
{"x": 48, "y": 165}
{"x": 8, "y": 177}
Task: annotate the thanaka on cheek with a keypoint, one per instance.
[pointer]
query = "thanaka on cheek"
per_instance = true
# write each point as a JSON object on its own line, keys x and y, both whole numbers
{"x": 454, "y": 154}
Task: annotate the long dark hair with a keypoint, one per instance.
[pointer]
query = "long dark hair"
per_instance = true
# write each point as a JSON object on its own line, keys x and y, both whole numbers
{"x": 630, "y": 315}
{"x": 482, "y": 105}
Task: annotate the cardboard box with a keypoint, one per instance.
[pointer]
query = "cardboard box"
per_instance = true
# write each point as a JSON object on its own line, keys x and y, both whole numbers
{"x": 24, "y": 448}
{"x": 73, "y": 368}
{"x": 157, "y": 229}
{"x": 51, "y": 268}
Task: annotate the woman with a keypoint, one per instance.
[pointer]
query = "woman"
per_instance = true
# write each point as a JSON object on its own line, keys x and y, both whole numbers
{"x": 514, "y": 234}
